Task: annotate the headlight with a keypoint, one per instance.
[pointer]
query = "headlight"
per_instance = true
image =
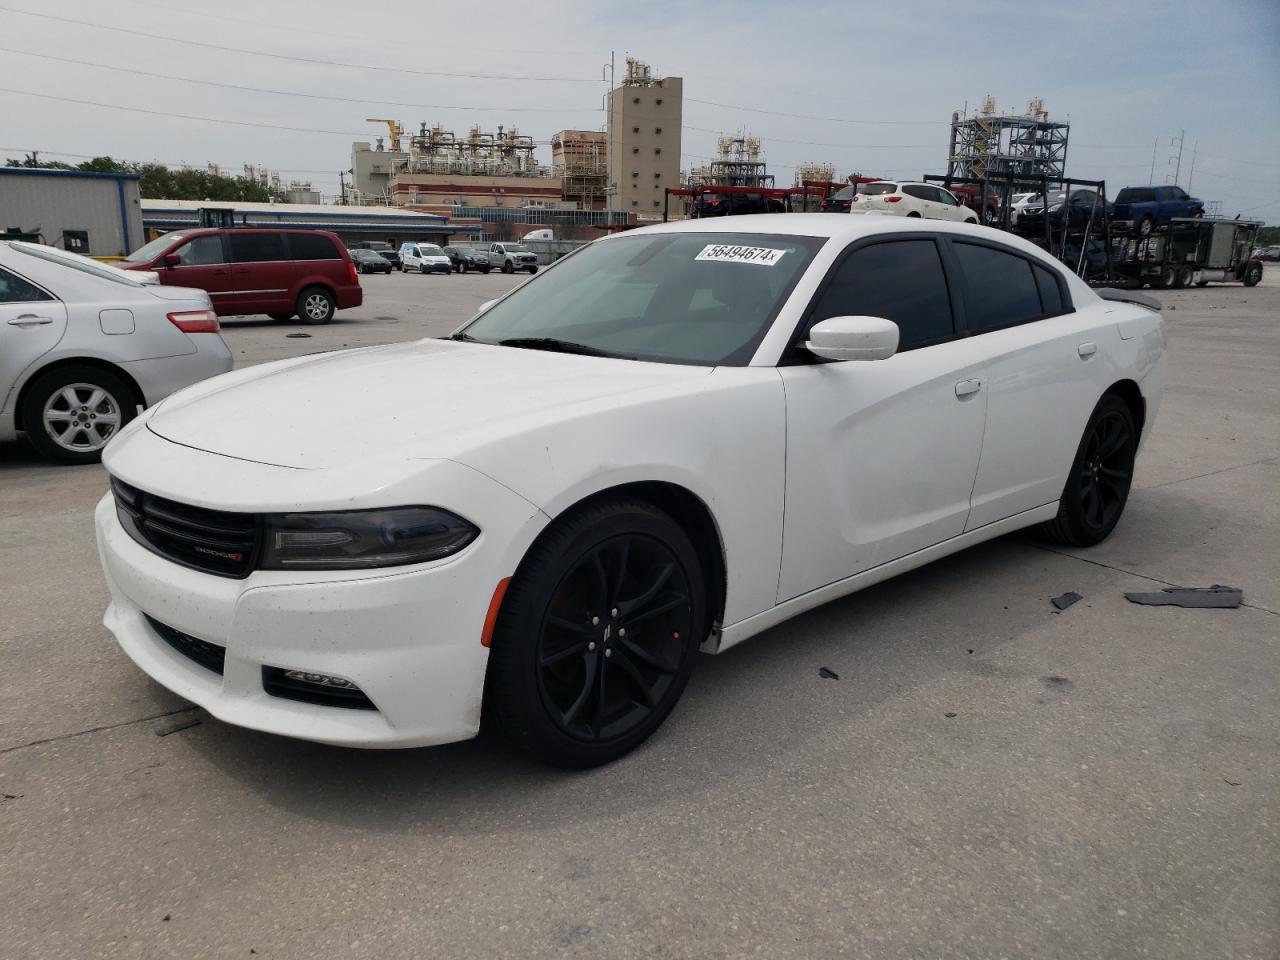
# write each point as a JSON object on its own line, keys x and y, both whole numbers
{"x": 361, "y": 539}
{"x": 1055, "y": 207}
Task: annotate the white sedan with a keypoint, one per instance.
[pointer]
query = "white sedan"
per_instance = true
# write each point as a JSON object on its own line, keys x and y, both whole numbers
{"x": 83, "y": 345}
{"x": 910, "y": 200}
{"x": 669, "y": 441}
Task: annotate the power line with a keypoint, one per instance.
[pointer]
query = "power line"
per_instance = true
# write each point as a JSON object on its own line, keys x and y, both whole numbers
{"x": 843, "y": 146}
{"x": 805, "y": 116}
{"x": 292, "y": 93}
{"x": 163, "y": 163}
{"x": 293, "y": 59}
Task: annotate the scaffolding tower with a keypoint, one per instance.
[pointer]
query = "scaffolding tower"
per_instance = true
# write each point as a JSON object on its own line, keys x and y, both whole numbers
{"x": 1027, "y": 147}
{"x": 739, "y": 163}
{"x": 480, "y": 153}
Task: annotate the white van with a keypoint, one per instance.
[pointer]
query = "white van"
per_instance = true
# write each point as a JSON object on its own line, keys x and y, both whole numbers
{"x": 424, "y": 258}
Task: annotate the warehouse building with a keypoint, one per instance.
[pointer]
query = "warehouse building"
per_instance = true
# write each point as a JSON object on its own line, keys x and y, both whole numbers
{"x": 95, "y": 214}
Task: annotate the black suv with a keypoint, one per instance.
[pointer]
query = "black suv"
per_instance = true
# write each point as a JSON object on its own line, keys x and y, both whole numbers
{"x": 466, "y": 258}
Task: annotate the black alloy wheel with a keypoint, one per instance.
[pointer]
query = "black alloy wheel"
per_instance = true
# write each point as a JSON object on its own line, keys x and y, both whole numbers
{"x": 597, "y": 635}
{"x": 1098, "y": 486}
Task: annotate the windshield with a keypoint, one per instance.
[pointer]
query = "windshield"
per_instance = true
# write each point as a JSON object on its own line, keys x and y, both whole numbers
{"x": 76, "y": 262}
{"x": 516, "y": 248}
{"x": 700, "y": 298}
{"x": 429, "y": 250}
{"x": 149, "y": 251}
{"x": 876, "y": 189}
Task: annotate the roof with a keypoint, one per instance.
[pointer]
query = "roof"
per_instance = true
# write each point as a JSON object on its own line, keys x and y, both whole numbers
{"x": 46, "y": 172}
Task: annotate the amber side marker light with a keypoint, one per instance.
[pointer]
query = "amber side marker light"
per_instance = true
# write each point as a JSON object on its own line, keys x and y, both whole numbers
{"x": 495, "y": 604}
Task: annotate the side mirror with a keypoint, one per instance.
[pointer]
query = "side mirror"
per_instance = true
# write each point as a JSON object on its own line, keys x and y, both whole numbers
{"x": 853, "y": 338}
{"x": 487, "y": 304}
{"x": 171, "y": 260}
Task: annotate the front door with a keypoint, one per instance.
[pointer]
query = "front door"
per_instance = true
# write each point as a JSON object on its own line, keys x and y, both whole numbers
{"x": 882, "y": 454}
{"x": 203, "y": 265}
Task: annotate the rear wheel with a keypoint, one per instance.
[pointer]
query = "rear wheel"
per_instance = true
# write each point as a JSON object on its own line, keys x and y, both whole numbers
{"x": 597, "y": 634}
{"x": 70, "y": 413}
{"x": 1182, "y": 278}
{"x": 913, "y": 213}
{"x": 1144, "y": 225}
{"x": 316, "y": 305}
{"x": 1098, "y": 486}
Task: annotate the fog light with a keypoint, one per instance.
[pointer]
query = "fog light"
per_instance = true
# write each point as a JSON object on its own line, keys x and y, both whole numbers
{"x": 320, "y": 680}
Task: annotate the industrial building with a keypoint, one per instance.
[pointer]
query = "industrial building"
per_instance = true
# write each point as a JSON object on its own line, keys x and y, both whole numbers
{"x": 645, "y": 114}
{"x": 580, "y": 160}
{"x": 95, "y": 214}
{"x": 1024, "y": 147}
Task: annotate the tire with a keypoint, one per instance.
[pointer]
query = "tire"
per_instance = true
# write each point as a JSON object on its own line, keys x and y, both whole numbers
{"x": 464, "y": 268}
{"x": 73, "y": 391}
{"x": 507, "y": 267}
{"x": 1167, "y": 277}
{"x": 555, "y": 705}
{"x": 486, "y": 270}
{"x": 913, "y": 213}
{"x": 1182, "y": 278}
{"x": 1097, "y": 488}
{"x": 316, "y": 305}
{"x": 422, "y": 269}
{"x": 973, "y": 220}
{"x": 1144, "y": 225}
{"x": 1252, "y": 274}
{"x": 282, "y": 317}
{"x": 533, "y": 269}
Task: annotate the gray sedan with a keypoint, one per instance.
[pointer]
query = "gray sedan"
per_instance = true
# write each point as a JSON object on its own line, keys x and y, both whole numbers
{"x": 83, "y": 346}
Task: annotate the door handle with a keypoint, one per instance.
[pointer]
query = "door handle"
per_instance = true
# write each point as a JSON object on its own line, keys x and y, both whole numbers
{"x": 220, "y": 273}
{"x": 1087, "y": 350}
{"x": 967, "y": 388}
{"x": 30, "y": 320}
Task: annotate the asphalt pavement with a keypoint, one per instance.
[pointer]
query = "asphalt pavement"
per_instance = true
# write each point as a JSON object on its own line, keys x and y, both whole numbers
{"x": 988, "y": 777}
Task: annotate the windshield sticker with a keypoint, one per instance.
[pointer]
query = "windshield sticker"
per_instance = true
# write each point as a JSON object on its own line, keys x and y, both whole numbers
{"x": 730, "y": 253}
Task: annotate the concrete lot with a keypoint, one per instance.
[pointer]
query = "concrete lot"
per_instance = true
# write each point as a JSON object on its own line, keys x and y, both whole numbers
{"x": 987, "y": 778}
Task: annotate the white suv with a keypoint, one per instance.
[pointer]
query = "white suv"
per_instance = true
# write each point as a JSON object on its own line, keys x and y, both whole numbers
{"x": 425, "y": 258}
{"x": 910, "y": 200}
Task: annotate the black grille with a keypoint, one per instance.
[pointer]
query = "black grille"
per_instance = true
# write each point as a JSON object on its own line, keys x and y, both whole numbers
{"x": 214, "y": 541}
{"x": 208, "y": 655}
{"x": 277, "y": 684}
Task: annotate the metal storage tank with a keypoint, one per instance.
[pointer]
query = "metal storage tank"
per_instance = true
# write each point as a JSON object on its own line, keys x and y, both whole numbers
{"x": 95, "y": 214}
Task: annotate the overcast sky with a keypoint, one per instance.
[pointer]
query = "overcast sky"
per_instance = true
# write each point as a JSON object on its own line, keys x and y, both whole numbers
{"x": 1126, "y": 75}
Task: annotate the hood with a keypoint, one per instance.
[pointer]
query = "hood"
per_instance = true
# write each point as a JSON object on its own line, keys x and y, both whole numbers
{"x": 427, "y": 399}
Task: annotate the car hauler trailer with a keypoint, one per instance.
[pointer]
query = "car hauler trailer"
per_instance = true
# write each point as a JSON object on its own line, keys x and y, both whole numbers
{"x": 1189, "y": 250}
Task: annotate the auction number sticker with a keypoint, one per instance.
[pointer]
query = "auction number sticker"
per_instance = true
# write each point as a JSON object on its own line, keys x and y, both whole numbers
{"x": 730, "y": 253}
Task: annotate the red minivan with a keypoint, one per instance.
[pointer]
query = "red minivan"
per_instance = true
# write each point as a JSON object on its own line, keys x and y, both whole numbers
{"x": 283, "y": 273}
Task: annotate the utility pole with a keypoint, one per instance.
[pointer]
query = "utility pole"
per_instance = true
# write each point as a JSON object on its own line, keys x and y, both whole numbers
{"x": 1192, "y": 175}
{"x": 342, "y": 185}
{"x": 609, "y": 151}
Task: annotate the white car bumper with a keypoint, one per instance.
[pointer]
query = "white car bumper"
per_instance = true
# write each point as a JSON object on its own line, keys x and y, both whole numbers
{"x": 409, "y": 639}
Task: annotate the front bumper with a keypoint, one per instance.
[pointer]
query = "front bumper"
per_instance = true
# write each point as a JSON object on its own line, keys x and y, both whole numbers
{"x": 409, "y": 638}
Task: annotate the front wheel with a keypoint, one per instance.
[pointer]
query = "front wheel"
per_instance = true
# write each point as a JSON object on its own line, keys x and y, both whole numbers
{"x": 1253, "y": 274}
{"x": 316, "y": 305}
{"x": 913, "y": 213}
{"x": 70, "y": 413}
{"x": 508, "y": 268}
{"x": 597, "y": 634}
{"x": 533, "y": 269}
{"x": 1098, "y": 487}
{"x": 1145, "y": 225}
{"x": 973, "y": 220}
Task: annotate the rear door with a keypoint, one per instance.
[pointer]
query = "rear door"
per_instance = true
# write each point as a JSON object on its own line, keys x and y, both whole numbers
{"x": 32, "y": 321}
{"x": 881, "y": 455}
{"x": 1046, "y": 368}
{"x": 260, "y": 274}
{"x": 204, "y": 265}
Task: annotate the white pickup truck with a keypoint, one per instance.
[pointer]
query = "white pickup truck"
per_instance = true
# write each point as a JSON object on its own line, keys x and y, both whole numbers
{"x": 511, "y": 257}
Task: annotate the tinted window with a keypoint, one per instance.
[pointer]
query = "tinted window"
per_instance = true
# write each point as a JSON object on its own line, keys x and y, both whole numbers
{"x": 1135, "y": 195}
{"x": 918, "y": 191}
{"x": 901, "y": 281}
{"x": 256, "y": 247}
{"x": 1001, "y": 290}
{"x": 13, "y": 289}
{"x": 1050, "y": 292}
{"x": 312, "y": 246}
{"x": 201, "y": 250}
{"x": 876, "y": 189}
{"x": 942, "y": 196}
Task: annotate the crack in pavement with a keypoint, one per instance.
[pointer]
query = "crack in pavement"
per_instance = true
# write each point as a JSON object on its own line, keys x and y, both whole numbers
{"x": 81, "y": 733}
{"x": 1211, "y": 473}
{"x": 1144, "y": 576}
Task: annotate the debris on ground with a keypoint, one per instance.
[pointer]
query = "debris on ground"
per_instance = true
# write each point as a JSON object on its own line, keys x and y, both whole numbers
{"x": 5, "y": 797}
{"x": 1233, "y": 783}
{"x": 298, "y": 336}
{"x": 1066, "y": 600}
{"x": 826, "y": 674}
{"x": 1215, "y": 596}
{"x": 949, "y": 715}
{"x": 178, "y": 725}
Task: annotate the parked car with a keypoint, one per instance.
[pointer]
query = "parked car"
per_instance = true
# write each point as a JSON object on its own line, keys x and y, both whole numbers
{"x": 1147, "y": 207}
{"x": 733, "y": 204}
{"x": 542, "y": 519}
{"x": 465, "y": 258}
{"x": 1270, "y": 253}
{"x": 839, "y": 201}
{"x": 392, "y": 256}
{"x": 1084, "y": 205}
{"x": 250, "y": 270}
{"x": 987, "y": 208}
{"x": 1019, "y": 202}
{"x": 910, "y": 200}
{"x": 424, "y": 258}
{"x": 83, "y": 345}
{"x": 511, "y": 257}
{"x": 369, "y": 261}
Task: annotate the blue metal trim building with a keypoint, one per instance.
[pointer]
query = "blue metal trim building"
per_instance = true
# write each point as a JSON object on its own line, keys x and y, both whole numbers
{"x": 97, "y": 214}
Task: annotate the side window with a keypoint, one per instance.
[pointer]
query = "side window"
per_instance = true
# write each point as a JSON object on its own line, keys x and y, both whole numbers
{"x": 312, "y": 246}
{"x": 945, "y": 196}
{"x": 201, "y": 251}
{"x": 1001, "y": 290}
{"x": 1050, "y": 291}
{"x": 900, "y": 280}
{"x": 13, "y": 289}
{"x": 256, "y": 247}
{"x": 1177, "y": 193}
{"x": 919, "y": 192}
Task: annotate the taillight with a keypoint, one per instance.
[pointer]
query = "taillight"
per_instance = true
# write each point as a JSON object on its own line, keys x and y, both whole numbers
{"x": 195, "y": 321}
{"x": 351, "y": 273}
{"x": 892, "y": 199}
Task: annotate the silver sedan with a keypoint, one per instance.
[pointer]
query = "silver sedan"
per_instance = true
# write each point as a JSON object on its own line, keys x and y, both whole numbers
{"x": 83, "y": 346}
